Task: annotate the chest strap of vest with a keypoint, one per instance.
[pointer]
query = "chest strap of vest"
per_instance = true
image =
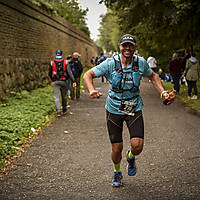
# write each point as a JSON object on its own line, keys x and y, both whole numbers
{"x": 128, "y": 99}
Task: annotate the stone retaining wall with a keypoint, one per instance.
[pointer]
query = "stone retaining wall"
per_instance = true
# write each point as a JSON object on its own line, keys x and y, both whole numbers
{"x": 29, "y": 39}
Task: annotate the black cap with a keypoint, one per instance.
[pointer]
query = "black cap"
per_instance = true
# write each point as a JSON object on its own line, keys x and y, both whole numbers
{"x": 128, "y": 38}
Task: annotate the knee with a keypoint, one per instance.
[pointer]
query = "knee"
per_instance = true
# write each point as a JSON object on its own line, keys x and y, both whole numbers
{"x": 117, "y": 147}
{"x": 137, "y": 145}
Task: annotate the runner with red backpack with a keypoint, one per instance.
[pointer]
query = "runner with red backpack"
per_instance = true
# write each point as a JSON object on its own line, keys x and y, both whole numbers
{"x": 59, "y": 71}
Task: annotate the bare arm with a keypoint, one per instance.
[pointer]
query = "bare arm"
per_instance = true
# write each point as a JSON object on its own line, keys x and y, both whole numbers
{"x": 156, "y": 82}
{"x": 88, "y": 81}
{"x": 168, "y": 98}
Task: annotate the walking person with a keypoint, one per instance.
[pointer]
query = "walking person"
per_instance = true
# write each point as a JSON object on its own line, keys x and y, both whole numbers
{"x": 124, "y": 103}
{"x": 152, "y": 63}
{"x": 77, "y": 70}
{"x": 176, "y": 69}
{"x": 192, "y": 74}
{"x": 69, "y": 85}
{"x": 59, "y": 70}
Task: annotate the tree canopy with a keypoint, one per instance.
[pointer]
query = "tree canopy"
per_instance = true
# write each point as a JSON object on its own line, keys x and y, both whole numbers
{"x": 160, "y": 27}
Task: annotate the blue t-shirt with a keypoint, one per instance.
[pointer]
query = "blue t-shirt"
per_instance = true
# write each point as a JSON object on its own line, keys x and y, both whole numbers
{"x": 130, "y": 78}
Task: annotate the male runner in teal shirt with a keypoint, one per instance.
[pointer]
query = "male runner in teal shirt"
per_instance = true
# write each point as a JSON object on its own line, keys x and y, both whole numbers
{"x": 124, "y": 103}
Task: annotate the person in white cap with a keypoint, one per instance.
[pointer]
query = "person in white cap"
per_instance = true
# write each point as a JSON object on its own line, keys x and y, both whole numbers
{"x": 152, "y": 63}
{"x": 124, "y": 103}
{"x": 77, "y": 69}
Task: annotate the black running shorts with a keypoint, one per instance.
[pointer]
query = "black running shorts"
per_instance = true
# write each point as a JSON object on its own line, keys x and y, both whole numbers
{"x": 134, "y": 123}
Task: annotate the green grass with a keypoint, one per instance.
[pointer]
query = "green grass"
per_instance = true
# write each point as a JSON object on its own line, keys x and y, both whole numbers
{"x": 20, "y": 114}
{"x": 195, "y": 104}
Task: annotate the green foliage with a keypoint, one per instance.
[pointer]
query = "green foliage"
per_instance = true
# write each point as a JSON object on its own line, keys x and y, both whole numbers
{"x": 18, "y": 115}
{"x": 68, "y": 9}
{"x": 160, "y": 27}
{"x": 109, "y": 32}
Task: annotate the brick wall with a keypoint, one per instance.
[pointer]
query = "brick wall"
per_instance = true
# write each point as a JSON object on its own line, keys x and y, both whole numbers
{"x": 29, "y": 38}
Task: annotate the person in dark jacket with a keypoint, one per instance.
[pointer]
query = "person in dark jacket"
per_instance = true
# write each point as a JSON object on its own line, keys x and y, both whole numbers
{"x": 77, "y": 70}
{"x": 59, "y": 70}
{"x": 175, "y": 69}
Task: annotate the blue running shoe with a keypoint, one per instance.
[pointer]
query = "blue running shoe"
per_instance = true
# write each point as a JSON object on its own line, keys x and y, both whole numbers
{"x": 131, "y": 165}
{"x": 116, "y": 182}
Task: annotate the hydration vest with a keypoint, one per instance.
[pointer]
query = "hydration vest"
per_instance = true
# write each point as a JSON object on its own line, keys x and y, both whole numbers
{"x": 118, "y": 75}
{"x": 59, "y": 70}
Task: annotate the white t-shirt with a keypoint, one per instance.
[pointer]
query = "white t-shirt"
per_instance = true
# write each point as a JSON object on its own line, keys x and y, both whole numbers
{"x": 152, "y": 62}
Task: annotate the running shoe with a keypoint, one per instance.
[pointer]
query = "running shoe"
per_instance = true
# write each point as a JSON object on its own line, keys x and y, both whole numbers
{"x": 116, "y": 182}
{"x": 131, "y": 165}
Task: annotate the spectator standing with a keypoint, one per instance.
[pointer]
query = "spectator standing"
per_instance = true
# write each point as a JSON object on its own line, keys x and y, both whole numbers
{"x": 59, "y": 70}
{"x": 77, "y": 69}
{"x": 192, "y": 74}
{"x": 152, "y": 63}
{"x": 175, "y": 69}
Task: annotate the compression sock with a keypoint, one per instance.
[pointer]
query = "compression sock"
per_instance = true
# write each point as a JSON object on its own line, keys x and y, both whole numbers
{"x": 130, "y": 155}
{"x": 117, "y": 167}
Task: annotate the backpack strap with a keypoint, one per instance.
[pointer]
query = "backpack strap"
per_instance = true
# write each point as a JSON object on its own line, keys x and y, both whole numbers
{"x": 135, "y": 66}
{"x": 53, "y": 65}
{"x": 118, "y": 65}
{"x": 118, "y": 68}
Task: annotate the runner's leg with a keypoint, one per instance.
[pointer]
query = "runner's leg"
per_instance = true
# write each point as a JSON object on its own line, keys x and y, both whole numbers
{"x": 135, "y": 125}
{"x": 56, "y": 91}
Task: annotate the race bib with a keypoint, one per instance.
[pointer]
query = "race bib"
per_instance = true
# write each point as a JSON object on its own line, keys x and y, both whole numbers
{"x": 128, "y": 107}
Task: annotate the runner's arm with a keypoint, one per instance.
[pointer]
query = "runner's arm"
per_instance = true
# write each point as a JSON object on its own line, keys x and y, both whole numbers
{"x": 159, "y": 86}
{"x": 88, "y": 82}
{"x": 156, "y": 82}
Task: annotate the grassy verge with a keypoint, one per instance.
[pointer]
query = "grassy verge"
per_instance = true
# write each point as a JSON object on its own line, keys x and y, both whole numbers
{"x": 195, "y": 104}
{"x": 21, "y": 119}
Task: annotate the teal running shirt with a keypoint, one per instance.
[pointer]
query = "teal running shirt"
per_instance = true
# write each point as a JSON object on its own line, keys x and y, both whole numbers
{"x": 130, "y": 78}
